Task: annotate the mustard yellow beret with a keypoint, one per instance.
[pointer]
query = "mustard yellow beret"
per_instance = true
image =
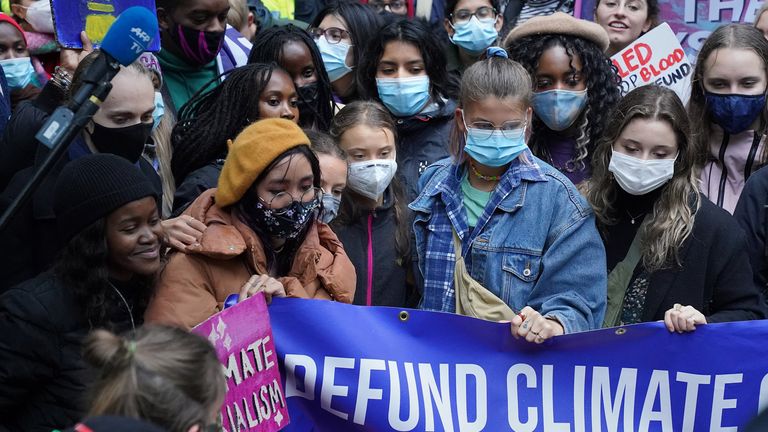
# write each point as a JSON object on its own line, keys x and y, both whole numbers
{"x": 252, "y": 152}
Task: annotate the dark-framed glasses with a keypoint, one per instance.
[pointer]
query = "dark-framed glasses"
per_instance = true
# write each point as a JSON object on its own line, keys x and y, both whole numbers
{"x": 333, "y": 35}
{"x": 281, "y": 203}
{"x": 484, "y": 13}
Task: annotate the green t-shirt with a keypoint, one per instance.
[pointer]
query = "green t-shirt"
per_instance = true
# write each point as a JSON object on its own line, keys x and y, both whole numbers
{"x": 475, "y": 200}
{"x": 182, "y": 79}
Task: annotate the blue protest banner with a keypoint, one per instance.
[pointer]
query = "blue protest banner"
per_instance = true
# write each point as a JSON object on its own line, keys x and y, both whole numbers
{"x": 70, "y": 17}
{"x": 382, "y": 369}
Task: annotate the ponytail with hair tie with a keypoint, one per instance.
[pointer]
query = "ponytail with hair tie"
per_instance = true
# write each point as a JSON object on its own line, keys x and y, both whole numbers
{"x": 495, "y": 51}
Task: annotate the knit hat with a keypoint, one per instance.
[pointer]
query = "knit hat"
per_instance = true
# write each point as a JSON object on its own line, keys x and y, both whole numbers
{"x": 253, "y": 150}
{"x": 149, "y": 61}
{"x": 11, "y": 21}
{"x": 560, "y": 23}
{"x": 91, "y": 187}
{"x": 114, "y": 424}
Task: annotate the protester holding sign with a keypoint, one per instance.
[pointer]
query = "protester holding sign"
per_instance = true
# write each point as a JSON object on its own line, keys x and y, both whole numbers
{"x": 672, "y": 254}
{"x": 405, "y": 70}
{"x": 107, "y": 215}
{"x": 472, "y": 26}
{"x": 262, "y": 232}
{"x": 522, "y": 231}
{"x": 374, "y": 222}
{"x": 197, "y": 46}
{"x": 293, "y": 49}
{"x": 728, "y": 110}
{"x": 575, "y": 88}
{"x": 625, "y": 20}
{"x": 199, "y": 139}
{"x": 161, "y": 374}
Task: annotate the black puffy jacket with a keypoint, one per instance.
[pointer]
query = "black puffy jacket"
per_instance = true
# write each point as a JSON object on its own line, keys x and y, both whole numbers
{"x": 43, "y": 377}
{"x": 423, "y": 139}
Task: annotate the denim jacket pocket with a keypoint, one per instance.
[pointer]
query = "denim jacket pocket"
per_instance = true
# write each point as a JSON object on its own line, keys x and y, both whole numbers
{"x": 521, "y": 271}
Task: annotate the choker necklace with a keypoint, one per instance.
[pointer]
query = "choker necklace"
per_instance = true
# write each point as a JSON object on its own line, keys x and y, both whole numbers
{"x": 477, "y": 174}
{"x": 634, "y": 218}
{"x": 125, "y": 302}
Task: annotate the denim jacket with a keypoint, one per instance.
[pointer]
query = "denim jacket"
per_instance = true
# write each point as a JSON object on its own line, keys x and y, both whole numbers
{"x": 535, "y": 244}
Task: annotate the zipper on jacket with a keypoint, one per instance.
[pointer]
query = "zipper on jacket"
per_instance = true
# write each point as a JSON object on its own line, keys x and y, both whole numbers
{"x": 752, "y": 153}
{"x": 724, "y": 174}
{"x": 369, "y": 285}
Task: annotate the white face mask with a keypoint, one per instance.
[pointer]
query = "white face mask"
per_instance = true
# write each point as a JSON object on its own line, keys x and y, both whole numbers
{"x": 638, "y": 176}
{"x": 372, "y": 177}
{"x": 39, "y": 16}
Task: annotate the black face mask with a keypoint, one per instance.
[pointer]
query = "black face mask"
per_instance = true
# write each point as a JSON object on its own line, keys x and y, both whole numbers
{"x": 127, "y": 142}
{"x": 307, "y": 103}
{"x": 198, "y": 47}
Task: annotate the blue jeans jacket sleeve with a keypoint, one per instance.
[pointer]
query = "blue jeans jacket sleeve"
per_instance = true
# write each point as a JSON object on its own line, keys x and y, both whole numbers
{"x": 573, "y": 282}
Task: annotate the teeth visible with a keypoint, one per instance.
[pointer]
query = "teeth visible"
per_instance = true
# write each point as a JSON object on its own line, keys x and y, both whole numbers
{"x": 618, "y": 25}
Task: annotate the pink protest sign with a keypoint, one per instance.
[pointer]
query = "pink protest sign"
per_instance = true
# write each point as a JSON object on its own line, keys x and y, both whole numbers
{"x": 243, "y": 340}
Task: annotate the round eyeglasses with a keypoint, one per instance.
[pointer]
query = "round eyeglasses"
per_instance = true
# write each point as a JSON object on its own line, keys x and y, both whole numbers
{"x": 281, "y": 202}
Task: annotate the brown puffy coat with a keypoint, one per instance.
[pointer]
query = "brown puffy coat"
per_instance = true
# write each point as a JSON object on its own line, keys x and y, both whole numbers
{"x": 194, "y": 285}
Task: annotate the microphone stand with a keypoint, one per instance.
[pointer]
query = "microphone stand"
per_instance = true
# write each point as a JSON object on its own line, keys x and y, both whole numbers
{"x": 58, "y": 141}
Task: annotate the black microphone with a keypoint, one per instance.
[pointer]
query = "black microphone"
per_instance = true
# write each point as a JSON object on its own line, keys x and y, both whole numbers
{"x": 126, "y": 39}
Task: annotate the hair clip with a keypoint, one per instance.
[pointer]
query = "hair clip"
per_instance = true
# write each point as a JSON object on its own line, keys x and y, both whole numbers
{"x": 496, "y": 52}
{"x": 132, "y": 347}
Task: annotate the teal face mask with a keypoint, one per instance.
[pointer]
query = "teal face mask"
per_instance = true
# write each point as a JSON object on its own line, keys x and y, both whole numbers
{"x": 494, "y": 147}
{"x": 19, "y": 72}
{"x": 474, "y": 35}
{"x": 404, "y": 97}
{"x": 558, "y": 109}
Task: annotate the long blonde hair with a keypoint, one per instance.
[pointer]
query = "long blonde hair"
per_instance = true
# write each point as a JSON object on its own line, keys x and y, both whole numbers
{"x": 165, "y": 375}
{"x": 671, "y": 221}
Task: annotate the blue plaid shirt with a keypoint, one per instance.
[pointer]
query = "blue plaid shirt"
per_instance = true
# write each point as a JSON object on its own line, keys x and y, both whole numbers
{"x": 448, "y": 213}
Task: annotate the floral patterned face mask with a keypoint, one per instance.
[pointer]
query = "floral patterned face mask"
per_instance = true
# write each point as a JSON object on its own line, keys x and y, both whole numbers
{"x": 287, "y": 222}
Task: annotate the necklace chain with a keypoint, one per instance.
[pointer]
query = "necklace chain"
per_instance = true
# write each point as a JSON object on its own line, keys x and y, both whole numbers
{"x": 483, "y": 176}
{"x": 127, "y": 306}
{"x": 634, "y": 218}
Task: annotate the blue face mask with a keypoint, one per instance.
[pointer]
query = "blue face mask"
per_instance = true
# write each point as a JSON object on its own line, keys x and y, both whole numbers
{"x": 491, "y": 147}
{"x": 157, "y": 114}
{"x": 334, "y": 57}
{"x": 474, "y": 36}
{"x": 404, "y": 96}
{"x": 558, "y": 109}
{"x": 19, "y": 72}
{"x": 734, "y": 112}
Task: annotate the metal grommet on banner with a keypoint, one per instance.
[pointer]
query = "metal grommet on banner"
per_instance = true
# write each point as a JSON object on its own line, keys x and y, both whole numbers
{"x": 620, "y": 331}
{"x": 404, "y": 315}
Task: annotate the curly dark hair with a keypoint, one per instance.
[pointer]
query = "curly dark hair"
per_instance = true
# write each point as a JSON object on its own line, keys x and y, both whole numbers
{"x": 82, "y": 267}
{"x": 268, "y": 48}
{"x": 418, "y": 33}
{"x": 212, "y": 117}
{"x": 603, "y": 91}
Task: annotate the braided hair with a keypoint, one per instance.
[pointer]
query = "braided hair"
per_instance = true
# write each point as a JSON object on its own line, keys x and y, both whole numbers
{"x": 212, "y": 117}
{"x": 268, "y": 47}
{"x": 602, "y": 90}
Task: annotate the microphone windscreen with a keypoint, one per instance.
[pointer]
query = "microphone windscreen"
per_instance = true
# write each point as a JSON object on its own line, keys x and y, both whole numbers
{"x": 130, "y": 34}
